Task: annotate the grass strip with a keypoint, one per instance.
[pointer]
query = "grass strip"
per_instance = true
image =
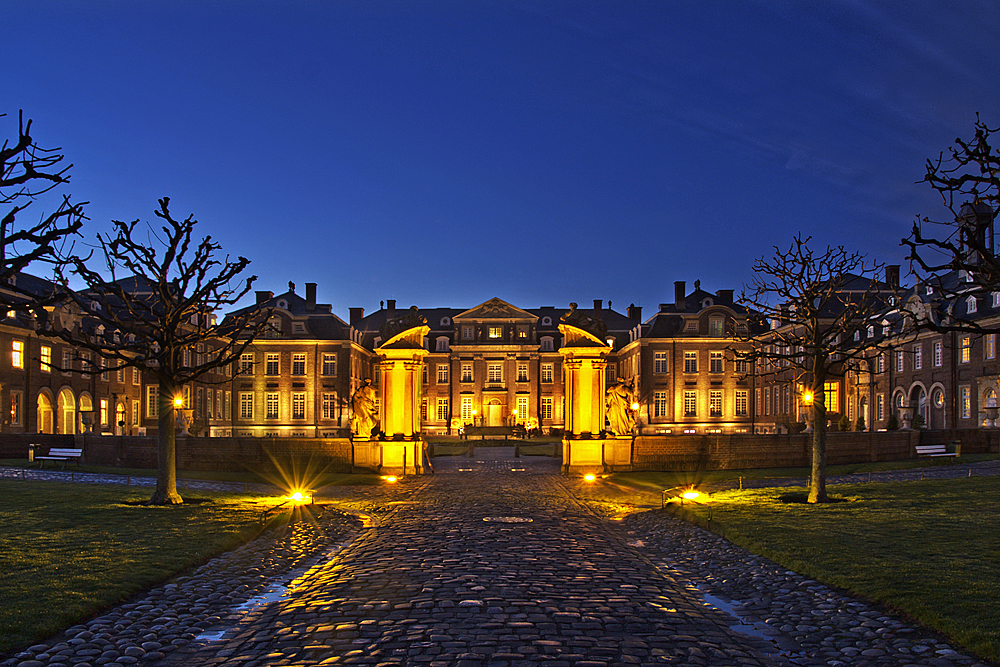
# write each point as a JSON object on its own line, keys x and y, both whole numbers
{"x": 929, "y": 549}
{"x": 68, "y": 551}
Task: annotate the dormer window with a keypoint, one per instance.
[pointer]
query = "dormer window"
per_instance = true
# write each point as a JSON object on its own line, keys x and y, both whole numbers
{"x": 970, "y": 304}
{"x": 547, "y": 344}
{"x": 283, "y": 304}
{"x": 441, "y": 344}
{"x": 930, "y": 290}
{"x": 692, "y": 325}
{"x": 857, "y": 336}
{"x": 871, "y": 331}
{"x": 298, "y": 327}
{"x": 705, "y": 303}
{"x": 445, "y": 321}
{"x": 996, "y": 299}
{"x": 95, "y": 306}
{"x": 546, "y": 321}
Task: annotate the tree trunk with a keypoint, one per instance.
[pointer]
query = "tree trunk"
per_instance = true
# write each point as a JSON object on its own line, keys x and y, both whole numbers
{"x": 817, "y": 479}
{"x": 166, "y": 449}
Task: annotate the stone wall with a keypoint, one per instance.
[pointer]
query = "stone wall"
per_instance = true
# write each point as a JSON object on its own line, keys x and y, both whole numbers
{"x": 730, "y": 452}
{"x": 218, "y": 454}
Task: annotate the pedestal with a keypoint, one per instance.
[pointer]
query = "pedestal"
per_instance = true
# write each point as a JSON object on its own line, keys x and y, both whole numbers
{"x": 366, "y": 454}
{"x": 402, "y": 457}
{"x": 583, "y": 456}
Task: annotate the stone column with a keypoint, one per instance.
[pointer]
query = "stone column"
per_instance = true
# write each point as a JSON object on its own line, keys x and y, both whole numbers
{"x": 401, "y": 364}
{"x": 584, "y": 367}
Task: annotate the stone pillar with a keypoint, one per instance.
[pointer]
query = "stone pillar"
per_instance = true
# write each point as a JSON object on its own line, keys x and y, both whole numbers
{"x": 401, "y": 364}
{"x": 584, "y": 367}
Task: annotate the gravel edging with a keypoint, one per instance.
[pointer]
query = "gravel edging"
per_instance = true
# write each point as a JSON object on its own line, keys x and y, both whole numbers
{"x": 147, "y": 629}
{"x": 815, "y": 624}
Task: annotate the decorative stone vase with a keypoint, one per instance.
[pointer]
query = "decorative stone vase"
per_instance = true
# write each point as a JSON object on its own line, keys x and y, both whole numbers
{"x": 991, "y": 417}
{"x": 906, "y": 419}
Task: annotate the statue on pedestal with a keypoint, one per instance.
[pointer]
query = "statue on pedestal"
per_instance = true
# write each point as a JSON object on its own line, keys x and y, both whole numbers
{"x": 618, "y": 400}
{"x": 363, "y": 415}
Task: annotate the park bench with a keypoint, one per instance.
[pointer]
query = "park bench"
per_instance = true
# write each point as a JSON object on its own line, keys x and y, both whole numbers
{"x": 934, "y": 450}
{"x": 63, "y": 454}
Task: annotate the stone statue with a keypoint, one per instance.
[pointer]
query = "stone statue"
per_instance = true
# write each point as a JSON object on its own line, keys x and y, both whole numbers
{"x": 618, "y": 401}
{"x": 363, "y": 415}
{"x": 410, "y": 319}
{"x": 586, "y": 322}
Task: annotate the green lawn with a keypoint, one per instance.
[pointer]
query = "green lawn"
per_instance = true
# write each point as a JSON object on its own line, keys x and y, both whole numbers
{"x": 69, "y": 550}
{"x": 930, "y": 549}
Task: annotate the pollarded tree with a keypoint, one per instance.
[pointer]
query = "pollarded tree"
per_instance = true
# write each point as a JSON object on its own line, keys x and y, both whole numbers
{"x": 150, "y": 306}
{"x": 805, "y": 310}
{"x": 28, "y": 171}
{"x": 961, "y": 259}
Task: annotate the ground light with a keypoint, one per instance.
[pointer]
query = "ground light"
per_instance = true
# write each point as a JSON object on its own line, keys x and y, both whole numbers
{"x": 390, "y": 479}
{"x": 590, "y": 477}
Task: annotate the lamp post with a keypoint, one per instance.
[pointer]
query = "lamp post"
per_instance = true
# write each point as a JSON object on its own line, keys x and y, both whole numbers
{"x": 807, "y": 402}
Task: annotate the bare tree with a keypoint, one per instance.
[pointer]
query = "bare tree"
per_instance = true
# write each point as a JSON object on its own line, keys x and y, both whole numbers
{"x": 150, "y": 306}
{"x": 957, "y": 256}
{"x": 28, "y": 171}
{"x": 804, "y": 311}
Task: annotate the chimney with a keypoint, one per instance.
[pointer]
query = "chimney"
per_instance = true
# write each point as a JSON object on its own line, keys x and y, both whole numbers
{"x": 634, "y": 312}
{"x": 264, "y": 296}
{"x": 679, "y": 291}
{"x": 892, "y": 275}
{"x": 357, "y": 314}
{"x": 598, "y": 304}
{"x": 725, "y": 295}
{"x": 310, "y": 297}
{"x": 390, "y": 305}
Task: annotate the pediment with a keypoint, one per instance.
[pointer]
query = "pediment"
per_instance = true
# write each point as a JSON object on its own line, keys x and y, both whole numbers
{"x": 495, "y": 309}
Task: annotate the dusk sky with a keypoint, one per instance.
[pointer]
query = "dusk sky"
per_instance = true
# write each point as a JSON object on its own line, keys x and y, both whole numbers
{"x": 443, "y": 153}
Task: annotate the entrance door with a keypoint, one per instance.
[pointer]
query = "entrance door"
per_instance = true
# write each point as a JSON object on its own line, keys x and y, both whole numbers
{"x": 494, "y": 413}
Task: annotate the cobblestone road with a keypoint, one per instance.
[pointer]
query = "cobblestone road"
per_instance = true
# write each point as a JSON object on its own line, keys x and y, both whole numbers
{"x": 487, "y": 563}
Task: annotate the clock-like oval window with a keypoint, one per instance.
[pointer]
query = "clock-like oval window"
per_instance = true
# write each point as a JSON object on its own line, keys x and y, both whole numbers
{"x": 938, "y": 399}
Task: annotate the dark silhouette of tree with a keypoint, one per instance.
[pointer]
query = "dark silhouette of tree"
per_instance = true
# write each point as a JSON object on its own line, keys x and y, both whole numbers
{"x": 957, "y": 256}
{"x": 28, "y": 171}
{"x": 149, "y": 306}
{"x": 804, "y": 310}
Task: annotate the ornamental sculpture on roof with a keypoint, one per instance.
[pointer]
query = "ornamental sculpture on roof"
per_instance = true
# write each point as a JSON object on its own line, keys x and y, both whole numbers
{"x": 412, "y": 318}
{"x": 583, "y": 321}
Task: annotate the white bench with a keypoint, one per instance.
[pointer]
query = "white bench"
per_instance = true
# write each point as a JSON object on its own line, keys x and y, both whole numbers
{"x": 934, "y": 450}
{"x": 63, "y": 454}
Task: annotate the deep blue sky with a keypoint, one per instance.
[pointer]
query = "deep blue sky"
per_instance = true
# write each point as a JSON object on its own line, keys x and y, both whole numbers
{"x": 442, "y": 153}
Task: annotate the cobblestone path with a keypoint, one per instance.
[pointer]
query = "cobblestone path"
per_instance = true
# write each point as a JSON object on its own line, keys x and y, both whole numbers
{"x": 488, "y": 562}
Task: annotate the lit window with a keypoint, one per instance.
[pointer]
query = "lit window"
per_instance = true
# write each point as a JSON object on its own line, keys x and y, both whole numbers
{"x": 716, "y": 363}
{"x": 741, "y": 403}
{"x": 442, "y": 373}
{"x": 965, "y": 352}
{"x": 329, "y": 364}
{"x": 298, "y": 364}
{"x": 659, "y": 362}
{"x": 271, "y": 410}
{"x": 496, "y": 332}
{"x": 547, "y": 372}
{"x": 715, "y": 403}
{"x": 103, "y": 414}
{"x": 690, "y": 362}
{"x": 660, "y": 404}
{"x": 522, "y": 409}
{"x": 715, "y": 328}
{"x": 246, "y": 405}
{"x": 330, "y": 405}
{"x": 466, "y": 407}
{"x": 965, "y": 402}
{"x": 246, "y": 363}
{"x": 546, "y": 407}
{"x": 831, "y": 398}
{"x": 522, "y": 332}
{"x": 299, "y": 405}
{"x": 152, "y": 402}
{"x": 423, "y": 408}
{"x": 273, "y": 364}
{"x": 466, "y": 372}
{"x": 45, "y": 357}
{"x": 494, "y": 373}
{"x": 522, "y": 372}
{"x": 690, "y": 404}
{"x": 990, "y": 348}
{"x": 17, "y": 354}
{"x": 15, "y": 408}
{"x": 442, "y": 409}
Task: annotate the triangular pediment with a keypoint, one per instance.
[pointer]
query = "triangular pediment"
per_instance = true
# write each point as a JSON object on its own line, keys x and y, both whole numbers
{"x": 495, "y": 309}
